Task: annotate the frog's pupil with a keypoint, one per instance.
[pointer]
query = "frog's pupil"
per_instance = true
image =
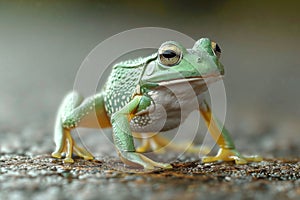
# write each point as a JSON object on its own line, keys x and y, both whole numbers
{"x": 218, "y": 49}
{"x": 169, "y": 54}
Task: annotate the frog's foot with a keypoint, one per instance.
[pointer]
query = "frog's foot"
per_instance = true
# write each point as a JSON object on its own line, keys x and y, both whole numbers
{"x": 155, "y": 143}
{"x": 159, "y": 144}
{"x": 69, "y": 147}
{"x": 134, "y": 159}
{"x": 82, "y": 152}
{"x": 231, "y": 155}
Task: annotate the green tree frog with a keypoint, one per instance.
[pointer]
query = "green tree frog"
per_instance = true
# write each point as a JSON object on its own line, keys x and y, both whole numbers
{"x": 149, "y": 95}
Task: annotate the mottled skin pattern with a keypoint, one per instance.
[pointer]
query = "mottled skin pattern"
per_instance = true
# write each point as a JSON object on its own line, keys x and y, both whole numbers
{"x": 147, "y": 95}
{"x": 122, "y": 84}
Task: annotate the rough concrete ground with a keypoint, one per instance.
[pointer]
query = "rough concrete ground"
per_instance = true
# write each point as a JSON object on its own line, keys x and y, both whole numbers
{"x": 43, "y": 177}
{"x": 28, "y": 172}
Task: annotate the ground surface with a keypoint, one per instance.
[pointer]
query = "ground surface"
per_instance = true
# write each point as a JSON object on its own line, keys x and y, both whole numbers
{"x": 42, "y": 177}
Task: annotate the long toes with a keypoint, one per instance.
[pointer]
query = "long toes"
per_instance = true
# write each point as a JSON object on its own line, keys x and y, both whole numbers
{"x": 165, "y": 166}
{"x": 83, "y": 153}
{"x": 231, "y": 155}
{"x": 239, "y": 160}
{"x": 68, "y": 160}
{"x": 209, "y": 159}
{"x": 254, "y": 158}
{"x": 133, "y": 158}
{"x": 155, "y": 164}
{"x": 88, "y": 158}
{"x": 56, "y": 155}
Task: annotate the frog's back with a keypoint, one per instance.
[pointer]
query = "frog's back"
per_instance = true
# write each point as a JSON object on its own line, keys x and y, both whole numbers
{"x": 122, "y": 84}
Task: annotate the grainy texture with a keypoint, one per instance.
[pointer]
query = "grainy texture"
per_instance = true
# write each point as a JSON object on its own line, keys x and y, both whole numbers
{"x": 43, "y": 177}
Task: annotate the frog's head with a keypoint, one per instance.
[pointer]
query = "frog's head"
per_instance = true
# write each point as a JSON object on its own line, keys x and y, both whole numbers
{"x": 174, "y": 62}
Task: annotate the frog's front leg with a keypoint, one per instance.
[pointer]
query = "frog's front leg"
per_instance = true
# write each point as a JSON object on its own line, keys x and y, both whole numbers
{"x": 72, "y": 113}
{"x": 123, "y": 139}
{"x": 227, "y": 151}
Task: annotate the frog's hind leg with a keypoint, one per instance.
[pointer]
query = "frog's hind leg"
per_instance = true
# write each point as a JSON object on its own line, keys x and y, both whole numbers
{"x": 66, "y": 120}
{"x": 159, "y": 144}
{"x": 62, "y": 137}
{"x": 227, "y": 151}
{"x": 82, "y": 152}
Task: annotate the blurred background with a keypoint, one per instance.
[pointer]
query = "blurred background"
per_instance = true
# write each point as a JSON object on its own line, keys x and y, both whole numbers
{"x": 43, "y": 43}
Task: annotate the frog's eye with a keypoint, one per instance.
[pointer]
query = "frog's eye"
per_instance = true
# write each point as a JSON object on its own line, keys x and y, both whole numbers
{"x": 169, "y": 55}
{"x": 216, "y": 48}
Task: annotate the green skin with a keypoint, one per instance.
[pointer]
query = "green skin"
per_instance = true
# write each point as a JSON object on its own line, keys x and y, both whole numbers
{"x": 127, "y": 97}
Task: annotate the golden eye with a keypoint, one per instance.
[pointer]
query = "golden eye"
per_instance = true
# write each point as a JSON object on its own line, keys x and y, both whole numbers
{"x": 169, "y": 55}
{"x": 216, "y": 48}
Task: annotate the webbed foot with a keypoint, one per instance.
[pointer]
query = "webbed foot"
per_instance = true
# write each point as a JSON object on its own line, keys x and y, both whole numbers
{"x": 231, "y": 155}
{"x": 69, "y": 147}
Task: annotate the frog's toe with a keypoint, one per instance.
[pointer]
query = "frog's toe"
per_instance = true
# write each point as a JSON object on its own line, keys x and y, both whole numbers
{"x": 56, "y": 155}
{"x": 238, "y": 160}
{"x": 245, "y": 159}
{"x": 254, "y": 158}
{"x": 88, "y": 157}
{"x": 156, "y": 164}
{"x": 68, "y": 160}
{"x": 134, "y": 159}
{"x": 231, "y": 155}
{"x": 82, "y": 152}
{"x": 208, "y": 159}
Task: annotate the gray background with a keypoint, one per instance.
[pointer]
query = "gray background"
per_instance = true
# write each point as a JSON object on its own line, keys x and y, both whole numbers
{"x": 43, "y": 44}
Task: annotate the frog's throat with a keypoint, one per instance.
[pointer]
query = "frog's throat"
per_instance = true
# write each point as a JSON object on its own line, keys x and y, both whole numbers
{"x": 203, "y": 79}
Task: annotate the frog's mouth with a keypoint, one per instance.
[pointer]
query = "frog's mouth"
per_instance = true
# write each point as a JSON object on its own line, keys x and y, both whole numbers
{"x": 198, "y": 80}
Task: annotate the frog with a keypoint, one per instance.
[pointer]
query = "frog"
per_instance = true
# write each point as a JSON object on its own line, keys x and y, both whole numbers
{"x": 149, "y": 95}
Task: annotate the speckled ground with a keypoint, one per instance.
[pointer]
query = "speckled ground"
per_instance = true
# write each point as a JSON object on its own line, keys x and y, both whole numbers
{"x": 43, "y": 177}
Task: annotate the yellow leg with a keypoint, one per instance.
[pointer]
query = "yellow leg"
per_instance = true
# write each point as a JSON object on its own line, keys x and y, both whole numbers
{"x": 231, "y": 155}
{"x": 159, "y": 144}
{"x": 69, "y": 146}
{"x": 76, "y": 112}
{"x": 227, "y": 150}
{"x": 82, "y": 152}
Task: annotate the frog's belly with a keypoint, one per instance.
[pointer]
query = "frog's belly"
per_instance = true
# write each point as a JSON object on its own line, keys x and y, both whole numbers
{"x": 172, "y": 107}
